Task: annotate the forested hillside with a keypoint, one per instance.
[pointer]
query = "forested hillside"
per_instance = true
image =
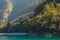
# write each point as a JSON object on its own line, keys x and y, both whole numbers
{"x": 45, "y": 19}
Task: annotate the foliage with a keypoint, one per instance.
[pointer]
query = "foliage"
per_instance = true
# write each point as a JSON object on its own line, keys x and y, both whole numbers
{"x": 49, "y": 19}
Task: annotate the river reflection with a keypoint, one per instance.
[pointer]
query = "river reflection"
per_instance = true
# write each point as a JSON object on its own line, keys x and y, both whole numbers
{"x": 7, "y": 38}
{"x": 3, "y": 38}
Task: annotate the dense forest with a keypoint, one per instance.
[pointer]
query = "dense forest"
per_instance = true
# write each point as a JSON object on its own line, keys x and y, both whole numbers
{"x": 45, "y": 19}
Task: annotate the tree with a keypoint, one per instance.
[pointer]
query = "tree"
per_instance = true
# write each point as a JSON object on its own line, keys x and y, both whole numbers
{"x": 49, "y": 18}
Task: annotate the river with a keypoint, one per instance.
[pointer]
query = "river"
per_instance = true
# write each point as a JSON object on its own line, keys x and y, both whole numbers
{"x": 27, "y": 38}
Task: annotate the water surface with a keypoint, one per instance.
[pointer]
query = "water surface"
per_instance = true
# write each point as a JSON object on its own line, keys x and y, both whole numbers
{"x": 27, "y": 38}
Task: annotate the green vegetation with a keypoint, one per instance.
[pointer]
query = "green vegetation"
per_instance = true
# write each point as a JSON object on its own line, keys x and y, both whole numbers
{"x": 45, "y": 19}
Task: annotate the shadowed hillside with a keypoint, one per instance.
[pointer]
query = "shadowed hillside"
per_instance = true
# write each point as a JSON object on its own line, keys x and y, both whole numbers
{"x": 44, "y": 20}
